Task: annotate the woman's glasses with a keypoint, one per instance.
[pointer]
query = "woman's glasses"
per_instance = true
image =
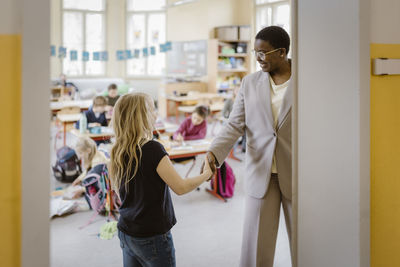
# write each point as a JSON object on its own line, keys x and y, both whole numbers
{"x": 262, "y": 55}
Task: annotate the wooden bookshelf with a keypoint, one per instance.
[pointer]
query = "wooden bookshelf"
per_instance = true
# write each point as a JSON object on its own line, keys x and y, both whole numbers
{"x": 233, "y": 55}
{"x": 232, "y": 70}
{"x": 233, "y": 58}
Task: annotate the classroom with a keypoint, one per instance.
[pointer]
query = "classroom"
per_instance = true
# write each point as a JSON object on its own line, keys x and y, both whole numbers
{"x": 199, "y": 133}
{"x": 102, "y": 50}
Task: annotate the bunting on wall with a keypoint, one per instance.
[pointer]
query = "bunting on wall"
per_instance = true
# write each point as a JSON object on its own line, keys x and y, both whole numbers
{"x": 85, "y": 56}
{"x": 152, "y": 50}
{"x": 136, "y": 53}
{"x": 145, "y": 52}
{"x": 120, "y": 54}
{"x": 96, "y": 56}
{"x": 73, "y": 55}
{"x": 128, "y": 54}
{"x": 53, "y": 50}
{"x": 104, "y": 56}
{"x": 62, "y": 52}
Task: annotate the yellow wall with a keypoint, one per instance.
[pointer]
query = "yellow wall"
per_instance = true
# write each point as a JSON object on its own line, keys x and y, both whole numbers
{"x": 385, "y": 162}
{"x": 10, "y": 147}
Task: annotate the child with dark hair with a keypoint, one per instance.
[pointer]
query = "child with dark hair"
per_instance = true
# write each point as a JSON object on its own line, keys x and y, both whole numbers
{"x": 112, "y": 96}
{"x": 193, "y": 127}
{"x": 96, "y": 115}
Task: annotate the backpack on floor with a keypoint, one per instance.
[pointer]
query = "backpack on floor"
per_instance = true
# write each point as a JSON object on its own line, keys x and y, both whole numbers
{"x": 68, "y": 166}
{"x": 226, "y": 181}
{"x": 98, "y": 192}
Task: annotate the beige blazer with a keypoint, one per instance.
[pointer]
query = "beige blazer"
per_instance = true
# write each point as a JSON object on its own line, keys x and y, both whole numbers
{"x": 252, "y": 113}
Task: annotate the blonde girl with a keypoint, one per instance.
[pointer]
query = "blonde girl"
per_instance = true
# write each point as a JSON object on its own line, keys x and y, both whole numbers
{"x": 141, "y": 172}
{"x": 87, "y": 152}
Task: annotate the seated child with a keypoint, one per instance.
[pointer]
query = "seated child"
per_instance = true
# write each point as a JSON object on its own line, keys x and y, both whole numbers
{"x": 87, "y": 152}
{"x": 112, "y": 95}
{"x": 96, "y": 115}
{"x": 228, "y": 105}
{"x": 193, "y": 127}
{"x": 226, "y": 111}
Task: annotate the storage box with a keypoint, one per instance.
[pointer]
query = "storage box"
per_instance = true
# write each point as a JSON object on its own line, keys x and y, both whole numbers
{"x": 244, "y": 33}
{"x": 227, "y": 33}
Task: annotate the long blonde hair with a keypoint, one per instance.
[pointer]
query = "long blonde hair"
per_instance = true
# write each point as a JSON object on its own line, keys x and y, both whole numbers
{"x": 85, "y": 144}
{"x": 133, "y": 123}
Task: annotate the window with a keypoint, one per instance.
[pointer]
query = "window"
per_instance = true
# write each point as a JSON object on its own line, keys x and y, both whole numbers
{"x": 145, "y": 29}
{"x": 83, "y": 24}
{"x": 272, "y": 12}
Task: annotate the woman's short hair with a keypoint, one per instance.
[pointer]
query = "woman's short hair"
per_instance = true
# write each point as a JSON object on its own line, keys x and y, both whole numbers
{"x": 275, "y": 36}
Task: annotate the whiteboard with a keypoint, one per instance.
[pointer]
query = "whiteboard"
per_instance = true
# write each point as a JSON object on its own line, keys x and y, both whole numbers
{"x": 187, "y": 59}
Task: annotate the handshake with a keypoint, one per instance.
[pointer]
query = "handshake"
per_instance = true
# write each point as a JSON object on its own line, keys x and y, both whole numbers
{"x": 209, "y": 165}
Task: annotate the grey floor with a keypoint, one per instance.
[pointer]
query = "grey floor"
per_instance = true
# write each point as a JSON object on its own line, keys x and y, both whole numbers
{"x": 208, "y": 231}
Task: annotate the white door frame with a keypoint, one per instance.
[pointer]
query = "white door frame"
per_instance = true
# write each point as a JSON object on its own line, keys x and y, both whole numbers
{"x": 331, "y": 151}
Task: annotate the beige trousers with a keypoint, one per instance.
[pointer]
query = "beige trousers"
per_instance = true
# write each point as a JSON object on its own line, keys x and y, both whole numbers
{"x": 261, "y": 226}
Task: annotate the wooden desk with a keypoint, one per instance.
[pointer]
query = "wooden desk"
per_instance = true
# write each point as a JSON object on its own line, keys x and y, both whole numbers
{"x": 83, "y": 104}
{"x": 214, "y": 108}
{"x": 106, "y": 134}
{"x": 193, "y": 148}
{"x": 68, "y": 119}
{"x": 165, "y": 126}
{"x": 196, "y": 97}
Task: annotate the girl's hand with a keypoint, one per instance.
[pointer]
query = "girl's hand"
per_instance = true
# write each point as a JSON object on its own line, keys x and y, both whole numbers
{"x": 76, "y": 182}
{"x": 179, "y": 138}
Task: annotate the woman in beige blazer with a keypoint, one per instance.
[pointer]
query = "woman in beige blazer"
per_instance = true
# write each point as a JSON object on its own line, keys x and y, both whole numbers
{"x": 262, "y": 110}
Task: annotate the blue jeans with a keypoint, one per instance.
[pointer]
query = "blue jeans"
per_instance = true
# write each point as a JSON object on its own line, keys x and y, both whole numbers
{"x": 155, "y": 251}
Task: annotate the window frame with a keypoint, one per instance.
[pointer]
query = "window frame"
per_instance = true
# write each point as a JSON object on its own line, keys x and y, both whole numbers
{"x": 146, "y": 13}
{"x": 274, "y": 6}
{"x": 84, "y": 12}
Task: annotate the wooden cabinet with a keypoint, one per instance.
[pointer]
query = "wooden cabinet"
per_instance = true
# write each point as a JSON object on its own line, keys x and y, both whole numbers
{"x": 233, "y": 57}
{"x": 61, "y": 92}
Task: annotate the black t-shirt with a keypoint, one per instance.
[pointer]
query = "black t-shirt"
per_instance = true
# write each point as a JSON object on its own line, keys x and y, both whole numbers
{"x": 147, "y": 208}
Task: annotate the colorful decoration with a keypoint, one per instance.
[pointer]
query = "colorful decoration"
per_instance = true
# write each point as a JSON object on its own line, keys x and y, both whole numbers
{"x": 73, "y": 55}
{"x": 136, "y": 53}
{"x": 128, "y": 54}
{"x": 152, "y": 50}
{"x": 168, "y": 46}
{"x": 120, "y": 55}
{"x": 145, "y": 52}
{"x": 104, "y": 56}
{"x": 53, "y": 50}
{"x": 124, "y": 54}
{"x": 96, "y": 56}
{"x": 62, "y": 52}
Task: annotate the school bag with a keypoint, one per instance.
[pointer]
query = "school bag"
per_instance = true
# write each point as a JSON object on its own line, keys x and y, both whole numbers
{"x": 226, "y": 181}
{"x": 67, "y": 167}
{"x": 98, "y": 193}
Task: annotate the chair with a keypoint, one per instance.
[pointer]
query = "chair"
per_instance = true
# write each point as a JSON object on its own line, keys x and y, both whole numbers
{"x": 185, "y": 161}
{"x": 63, "y": 128}
{"x": 70, "y": 110}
